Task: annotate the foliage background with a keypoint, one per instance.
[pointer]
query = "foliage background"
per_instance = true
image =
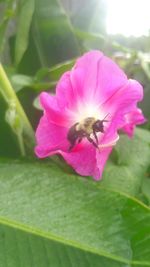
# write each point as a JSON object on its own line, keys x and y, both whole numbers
{"x": 49, "y": 216}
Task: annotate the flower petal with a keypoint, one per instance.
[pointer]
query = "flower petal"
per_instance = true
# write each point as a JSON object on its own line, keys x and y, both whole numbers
{"x": 92, "y": 80}
{"x": 96, "y": 77}
{"x": 132, "y": 119}
{"x": 101, "y": 158}
{"x": 110, "y": 78}
{"x": 84, "y": 75}
{"x": 55, "y": 114}
{"x": 64, "y": 92}
{"x": 88, "y": 161}
{"x": 121, "y": 103}
{"x": 79, "y": 85}
{"x": 50, "y": 137}
{"x": 83, "y": 160}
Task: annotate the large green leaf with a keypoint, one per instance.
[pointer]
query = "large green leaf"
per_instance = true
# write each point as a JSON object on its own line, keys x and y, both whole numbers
{"x": 52, "y": 217}
{"x": 65, "y": 218}
{"x": 23, "y": 248}
{"x": 69, "y": 214}
{"x": 52, "y": 39}
{"x": 88, "y": 17}
{"x": 53, "y": 33}
{"x": 146, "y": 186}
{"x": 130, "y": 163}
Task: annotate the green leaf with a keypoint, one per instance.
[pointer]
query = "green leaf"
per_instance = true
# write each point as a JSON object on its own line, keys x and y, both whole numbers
{"x": 32, "y": 250}
{"x": 26, "y": 10}
{"x": 51, "y": 39}
{"x": 44, "y": 79}
{"x": 146, "y": 187}
{"x": 47, "y": 78}
{"x": 7, "y": 12}
{"x": 89, "y": 18}
{"x": 52, "y": 34}
{"x": 144, "y": 63}
{"x": 99, "y": 41}
{"x": 56, "y": 71}
{"x": 49, "y": 217}
{"x": 131, "y": 163}
{"x": 19, "y": 81}
{"x": 144, "y": 135}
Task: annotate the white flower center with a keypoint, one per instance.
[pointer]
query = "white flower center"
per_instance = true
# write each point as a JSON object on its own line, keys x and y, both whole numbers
{"x": 86, "y": 110}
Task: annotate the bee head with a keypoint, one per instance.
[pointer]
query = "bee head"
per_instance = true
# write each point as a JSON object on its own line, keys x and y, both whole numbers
{"x": 99, "y": 125}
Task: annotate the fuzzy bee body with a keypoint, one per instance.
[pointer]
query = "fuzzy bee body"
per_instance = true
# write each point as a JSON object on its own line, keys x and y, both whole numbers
{"x": 84, "y": 129}
{"x": 86, "y": 125}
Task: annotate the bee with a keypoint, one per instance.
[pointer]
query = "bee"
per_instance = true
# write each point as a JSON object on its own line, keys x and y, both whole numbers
{"x": 84, "y": 129}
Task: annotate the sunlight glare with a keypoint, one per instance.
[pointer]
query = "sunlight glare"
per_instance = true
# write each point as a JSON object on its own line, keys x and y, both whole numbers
{"x": 128, "y": 17}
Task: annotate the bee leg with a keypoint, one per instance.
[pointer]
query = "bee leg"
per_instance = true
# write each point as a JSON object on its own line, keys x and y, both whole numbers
{"x": 74, "y": 143}
{"x": 71, "y": 146}
{"x": 92, "y": 141}
{"x": 94, "y": 133}
{"x": 79, "y": 140}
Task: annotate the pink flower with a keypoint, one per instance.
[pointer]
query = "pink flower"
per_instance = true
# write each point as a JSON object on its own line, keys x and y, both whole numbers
{"x": 131, "y": 120}
{"x": 81, "y": 122}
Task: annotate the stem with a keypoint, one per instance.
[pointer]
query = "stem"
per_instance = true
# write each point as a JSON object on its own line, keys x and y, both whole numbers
{"x": 9, "y": 95}
{"x": 21, "y": 145}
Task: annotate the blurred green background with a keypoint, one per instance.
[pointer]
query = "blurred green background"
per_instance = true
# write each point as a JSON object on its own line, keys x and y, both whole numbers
{"x": 40, "y": 39}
